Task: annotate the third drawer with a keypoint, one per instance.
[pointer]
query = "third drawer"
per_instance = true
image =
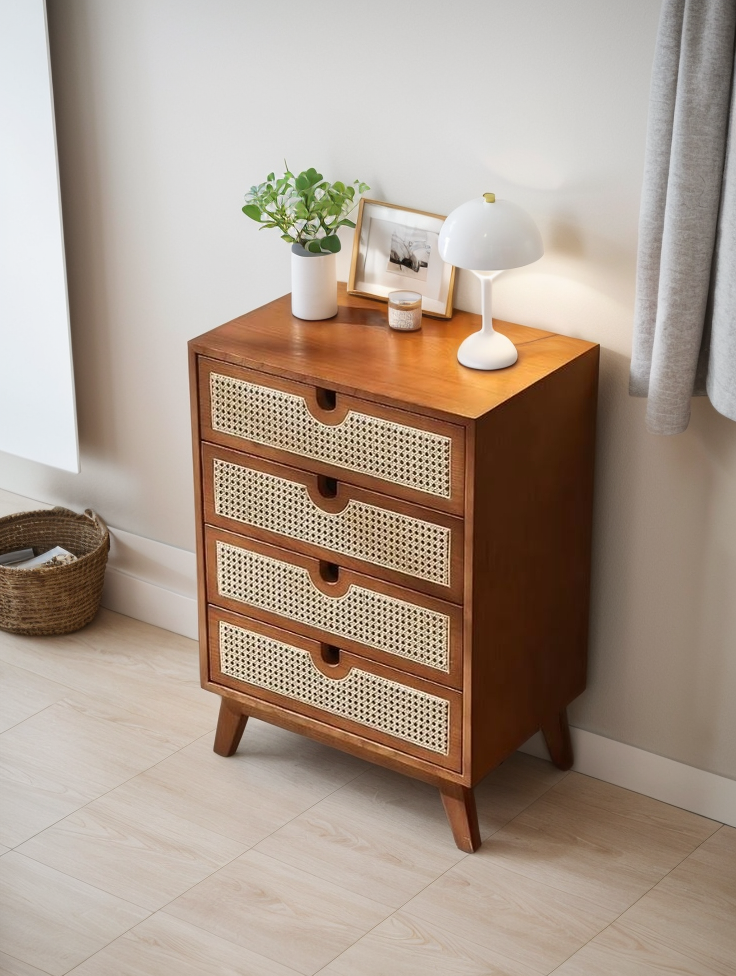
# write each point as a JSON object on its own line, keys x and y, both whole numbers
{"x": 404, "y": 629}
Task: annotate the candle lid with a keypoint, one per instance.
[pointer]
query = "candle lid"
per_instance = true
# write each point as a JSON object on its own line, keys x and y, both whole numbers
{"x": 404, "y": 297}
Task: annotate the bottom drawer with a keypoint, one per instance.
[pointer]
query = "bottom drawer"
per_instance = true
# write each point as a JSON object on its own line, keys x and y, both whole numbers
{"x": 340, "y": 689}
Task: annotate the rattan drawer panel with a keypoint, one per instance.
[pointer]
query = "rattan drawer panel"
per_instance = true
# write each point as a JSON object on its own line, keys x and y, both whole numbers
{"x": 358, "y": 695}
{"x": 393, "y": 450}
{"x": 357, "y": 528}
{"x": 402, "y": 628}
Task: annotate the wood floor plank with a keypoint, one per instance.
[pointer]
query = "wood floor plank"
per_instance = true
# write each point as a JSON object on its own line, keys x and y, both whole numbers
{"x": 410, "y": 947}
{"x": 621, "y": 951}
{"x": 524, "y": 920}
{"x": 597, "y": 841}
{"x": 382, "y": 835}
{"x": 166, "y": 946}
{"x": 693, "y": 910}
{"x": 23, "y": 693}
{"x": 67, "y": 755}
{"x": 53, "y": 922}
{"x": 14, "y": 967}
{"x": 297, "y": 758}
{"x": 240, "y": 797}
{"x": 156, "y": 675}
{"x": 386, "y": 836}
{"x": 112, "y": 643}
{"x": 131, "y": 848}
{"x": 284, "y": 914}
{"x": 510, "y": 788}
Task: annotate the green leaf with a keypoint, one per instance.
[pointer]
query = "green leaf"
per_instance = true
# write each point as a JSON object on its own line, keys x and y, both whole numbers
{"x": 345, "y": 223}
{"x": 270, "y": 177}
{"x": 289, "y": 238}
{"x": 252, "y": 211}
{"x": 314, "y": 247}
{"x": 331, "y": 244}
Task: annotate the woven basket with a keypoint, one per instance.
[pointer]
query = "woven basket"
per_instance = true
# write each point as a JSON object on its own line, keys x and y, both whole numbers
{"x": 52, "y": 599}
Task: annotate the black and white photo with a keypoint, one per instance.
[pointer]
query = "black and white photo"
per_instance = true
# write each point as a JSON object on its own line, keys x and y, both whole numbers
{"x": 396, "y": 248}
{"x": 410, "y": 252}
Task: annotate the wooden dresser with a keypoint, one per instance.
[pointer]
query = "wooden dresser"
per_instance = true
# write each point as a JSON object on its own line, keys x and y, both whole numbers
{"x": 394, "y": 550}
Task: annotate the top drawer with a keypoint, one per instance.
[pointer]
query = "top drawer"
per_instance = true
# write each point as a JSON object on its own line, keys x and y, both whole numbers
{"x": 399, "y": 453}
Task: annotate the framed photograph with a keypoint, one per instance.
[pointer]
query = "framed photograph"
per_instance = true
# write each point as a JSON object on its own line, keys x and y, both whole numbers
{"x": 398, "y": 249}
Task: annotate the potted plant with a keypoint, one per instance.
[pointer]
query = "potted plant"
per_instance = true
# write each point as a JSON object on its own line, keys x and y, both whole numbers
{"x": 308, "y": 210}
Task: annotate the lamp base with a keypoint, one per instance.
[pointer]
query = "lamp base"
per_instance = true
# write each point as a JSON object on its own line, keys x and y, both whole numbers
{"x": 487, "y": 350}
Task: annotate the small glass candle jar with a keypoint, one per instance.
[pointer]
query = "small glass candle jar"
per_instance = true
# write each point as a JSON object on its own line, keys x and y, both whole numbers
{"x": 405, "y": 311}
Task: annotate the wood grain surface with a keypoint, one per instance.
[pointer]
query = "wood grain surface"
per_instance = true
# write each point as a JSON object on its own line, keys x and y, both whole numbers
{"x": 356, "y": 353}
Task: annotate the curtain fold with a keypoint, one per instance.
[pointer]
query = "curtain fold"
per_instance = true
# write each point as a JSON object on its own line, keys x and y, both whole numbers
{"x": 685, "y": 314}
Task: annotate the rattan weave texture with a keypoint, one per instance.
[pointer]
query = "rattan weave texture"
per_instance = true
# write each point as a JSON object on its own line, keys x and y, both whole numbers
{"x": 54, "y": 599}
{"x": 398, "y": 453}
{"x": 368, "y": 699}
{"x": 376, "y": 535}
{"x": 396, "y": 626}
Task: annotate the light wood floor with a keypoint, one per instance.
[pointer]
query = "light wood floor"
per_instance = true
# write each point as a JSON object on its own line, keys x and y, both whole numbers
{"x": 127, "y": 848}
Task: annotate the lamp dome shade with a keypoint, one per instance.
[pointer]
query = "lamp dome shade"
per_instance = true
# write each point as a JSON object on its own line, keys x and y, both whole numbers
{"x": 490, "y": 236}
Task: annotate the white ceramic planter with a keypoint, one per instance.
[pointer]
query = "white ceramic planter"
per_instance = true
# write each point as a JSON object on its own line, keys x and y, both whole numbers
{"x": 313, "y": 284}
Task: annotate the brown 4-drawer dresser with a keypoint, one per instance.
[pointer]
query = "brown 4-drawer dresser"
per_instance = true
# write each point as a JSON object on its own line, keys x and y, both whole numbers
{"x": 393, "y": 549}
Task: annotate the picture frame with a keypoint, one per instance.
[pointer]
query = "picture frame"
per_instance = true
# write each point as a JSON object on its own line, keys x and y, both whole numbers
{"x": 397, "y": 248}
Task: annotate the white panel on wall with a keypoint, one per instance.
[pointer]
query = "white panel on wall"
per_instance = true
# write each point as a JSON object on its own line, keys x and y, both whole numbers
{"x": 37, "y": 408}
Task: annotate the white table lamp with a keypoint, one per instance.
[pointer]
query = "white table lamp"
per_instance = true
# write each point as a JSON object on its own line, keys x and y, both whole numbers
{"x": 487, "y": 235}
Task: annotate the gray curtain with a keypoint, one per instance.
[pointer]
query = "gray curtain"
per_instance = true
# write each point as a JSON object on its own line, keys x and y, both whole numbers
{"x": 685, "y": 318}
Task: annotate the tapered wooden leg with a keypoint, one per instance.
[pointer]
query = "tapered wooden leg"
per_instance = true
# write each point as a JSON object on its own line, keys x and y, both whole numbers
{"x": 557, "y": 736}
{"x": 459, "y": 804}
{"x": 230, "y": 728}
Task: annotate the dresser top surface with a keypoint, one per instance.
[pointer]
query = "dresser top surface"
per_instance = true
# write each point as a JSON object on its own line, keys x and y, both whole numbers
{"x": 356, "y": 352}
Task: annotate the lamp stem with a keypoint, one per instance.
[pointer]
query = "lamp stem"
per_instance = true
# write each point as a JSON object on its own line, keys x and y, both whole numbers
{"x": 486, "y": 301}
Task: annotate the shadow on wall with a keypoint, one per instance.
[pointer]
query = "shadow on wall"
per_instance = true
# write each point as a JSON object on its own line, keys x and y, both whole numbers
{"x": 663, "y": 570}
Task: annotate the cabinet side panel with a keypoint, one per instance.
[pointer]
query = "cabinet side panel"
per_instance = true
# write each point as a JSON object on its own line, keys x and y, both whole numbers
{"x": 533, "y": 496}
{"x": 198, "y": 512}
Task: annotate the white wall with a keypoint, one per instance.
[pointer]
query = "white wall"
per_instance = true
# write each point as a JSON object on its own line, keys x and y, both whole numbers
{"x": 167, "y": 110}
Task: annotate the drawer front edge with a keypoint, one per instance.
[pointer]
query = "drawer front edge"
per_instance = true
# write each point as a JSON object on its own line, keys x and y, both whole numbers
{"x": 409, "y": 714}
{"x": 395, "y": 451}
{"x": 405, "y": 628}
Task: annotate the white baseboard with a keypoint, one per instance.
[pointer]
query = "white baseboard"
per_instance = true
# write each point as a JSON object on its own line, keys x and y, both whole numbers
{"x": 156, "y": 583}
{"x": 152, "y": 582}
{"x": 644, "y": 772}
{"x": 150, "y": 603}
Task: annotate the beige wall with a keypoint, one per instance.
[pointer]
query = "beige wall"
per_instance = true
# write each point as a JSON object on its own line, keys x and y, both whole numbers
{"x": 168, "y": 110}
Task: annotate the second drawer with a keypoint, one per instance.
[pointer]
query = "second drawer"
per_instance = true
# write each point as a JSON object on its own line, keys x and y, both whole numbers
{"x": 322, "y": 517}
{"x": 402, "y": 628}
